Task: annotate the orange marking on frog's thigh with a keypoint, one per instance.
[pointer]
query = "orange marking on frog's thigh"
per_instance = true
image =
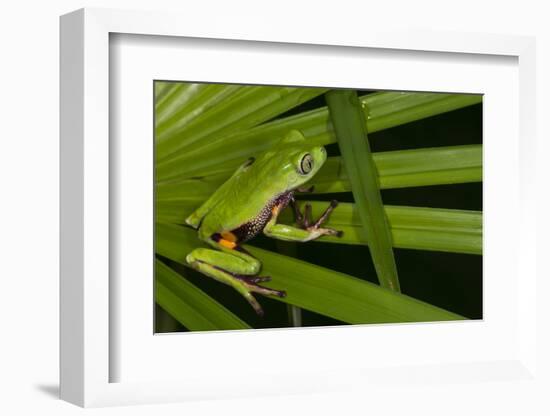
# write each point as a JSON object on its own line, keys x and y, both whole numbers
{"x": 275, "y": 209}
{"x": 226, "y": 243}
{"x": 229, "y": 236}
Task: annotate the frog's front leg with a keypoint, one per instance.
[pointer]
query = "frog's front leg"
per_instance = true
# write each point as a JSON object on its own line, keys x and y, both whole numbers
{"x": 310, "y": 230}
{"x": 234, "y": 267}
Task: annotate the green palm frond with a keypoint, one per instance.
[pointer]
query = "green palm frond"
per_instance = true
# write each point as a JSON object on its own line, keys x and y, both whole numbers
{"x": 204, "y": 131}
{"x": 315, "y": 288}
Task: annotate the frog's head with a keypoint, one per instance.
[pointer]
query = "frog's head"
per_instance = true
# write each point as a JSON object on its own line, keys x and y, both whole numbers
{"x": 298, "y": 162}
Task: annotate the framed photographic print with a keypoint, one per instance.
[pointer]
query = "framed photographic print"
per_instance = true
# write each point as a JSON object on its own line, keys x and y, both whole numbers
{"x": 318, "y": 214}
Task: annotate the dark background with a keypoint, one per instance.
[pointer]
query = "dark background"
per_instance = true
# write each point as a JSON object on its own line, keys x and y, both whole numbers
{"x": 448, "y": 280}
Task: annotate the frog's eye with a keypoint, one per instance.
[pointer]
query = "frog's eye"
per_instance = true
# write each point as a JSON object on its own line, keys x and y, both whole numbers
{"x": 306, "y": 164}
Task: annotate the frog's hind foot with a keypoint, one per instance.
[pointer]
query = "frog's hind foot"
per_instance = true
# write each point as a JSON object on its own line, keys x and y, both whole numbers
{"x": 251, "y": 283}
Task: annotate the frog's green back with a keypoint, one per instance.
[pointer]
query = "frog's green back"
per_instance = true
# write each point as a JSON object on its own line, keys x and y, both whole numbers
{"x": 196, "y": 217}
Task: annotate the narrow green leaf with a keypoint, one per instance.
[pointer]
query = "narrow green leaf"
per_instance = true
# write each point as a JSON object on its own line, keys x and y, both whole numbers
{"x": 464, "y": 243}
{"x": 447, "y": 230}
{"x": 179, "y": 95}
{"x": 411, "y": 106}
{"x": 396, "y": 169}
{"x": 168, "y": 133}
{"x": 386, "y": 109}
{"x": 189, "y": 305}
{"x": 161, "y": 89}
{"x": 435, "y": 219}
{"x": 316, "y": 288}
{"x": 195, "y": 189}
{"x": 408, "y": 168}
{"x": 415, "y": 239}
{"x": 348, "y": 120}
{"x": 436, "y": 229}
{"x": 175, "y": 211}
{"x": 455, "y": 231}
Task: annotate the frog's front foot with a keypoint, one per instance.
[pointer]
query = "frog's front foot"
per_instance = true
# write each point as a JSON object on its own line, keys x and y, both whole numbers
{"x": 306, "y": 222}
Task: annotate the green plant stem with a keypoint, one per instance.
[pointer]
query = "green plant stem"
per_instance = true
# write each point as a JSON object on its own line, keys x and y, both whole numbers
{"x": 351, "y": 130}
{"x": 294, "y": 316}
{"x": 290, "y": 249}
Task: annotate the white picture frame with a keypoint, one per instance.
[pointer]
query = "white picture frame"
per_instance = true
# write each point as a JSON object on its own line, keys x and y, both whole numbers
{"x": 87, "y": 356}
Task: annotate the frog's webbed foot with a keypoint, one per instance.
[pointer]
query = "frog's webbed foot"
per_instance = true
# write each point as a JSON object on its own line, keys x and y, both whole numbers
{"x": 306, "y": 222}
{"x": 251, "y": 283}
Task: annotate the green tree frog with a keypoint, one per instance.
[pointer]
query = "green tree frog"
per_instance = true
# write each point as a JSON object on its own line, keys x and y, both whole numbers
{"x": 249, "y": 203}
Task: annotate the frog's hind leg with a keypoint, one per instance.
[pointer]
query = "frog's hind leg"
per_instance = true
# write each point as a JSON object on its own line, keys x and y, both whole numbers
{"x": 236, "y": 269}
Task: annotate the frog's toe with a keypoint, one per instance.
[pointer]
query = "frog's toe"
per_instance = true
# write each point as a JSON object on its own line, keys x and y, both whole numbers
{"x": 259, "y": 279}
{"x": 252, "y": 279}
{"x": 255, "y": 288}
{"x": 279, "y": 293}
{"x": 331, "y": 231}
{"x": 255, "y": 305}
{"x": 266, "y": 291}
